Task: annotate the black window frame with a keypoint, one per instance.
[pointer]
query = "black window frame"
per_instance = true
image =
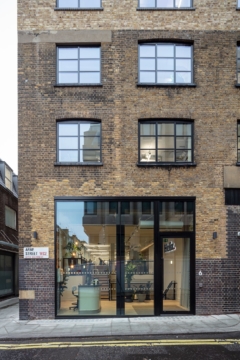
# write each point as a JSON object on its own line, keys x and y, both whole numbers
{"x": 175, "y": 44}
{"x": 175, "y": 7}
{"x": 166, "y": 121}
{"x": 79, "y": 71}
{"x": 78, "y": 122}
{"x": 78, "y": 7}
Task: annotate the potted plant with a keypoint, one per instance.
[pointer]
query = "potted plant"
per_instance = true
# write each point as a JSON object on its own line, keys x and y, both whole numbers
{"x": 141, "y": 293}
{"x": 129, "y": 272}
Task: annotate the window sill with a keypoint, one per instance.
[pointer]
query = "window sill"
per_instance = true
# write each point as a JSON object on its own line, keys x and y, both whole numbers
{"x": 165, "y": 9}
{"x": 78, "y": 164}
{"x": 167, "y": 164}
{"x": 166, "y": 85}
{"x": 78, "y": 85}
{"x": 78, "y": 9}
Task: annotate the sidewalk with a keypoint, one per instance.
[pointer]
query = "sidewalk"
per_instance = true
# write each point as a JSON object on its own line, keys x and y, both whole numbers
{"x": 12, "y": 328}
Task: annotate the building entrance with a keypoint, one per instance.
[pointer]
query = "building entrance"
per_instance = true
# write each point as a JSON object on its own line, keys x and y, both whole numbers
{"x": 120, "y": 257}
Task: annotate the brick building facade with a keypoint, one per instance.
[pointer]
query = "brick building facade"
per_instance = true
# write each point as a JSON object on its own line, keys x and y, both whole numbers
{"x": 120, "y": 102}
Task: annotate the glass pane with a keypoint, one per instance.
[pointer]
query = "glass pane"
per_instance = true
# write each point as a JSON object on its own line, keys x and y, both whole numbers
{"x": 147, "y": 77}
{"x": 147, "y": 3}
{"x": 165, "y": 64}
{"x": 147, "y": 207}
{"x": 183, "y": 77}
{"x": 165, "y": 77}
{"x": 183, "y": 51}
{"x": 68, "y": 156}
{"x": 68, "y": 3}
{"x": 166, "y": 142}
{"x": 147, "y": 50}
{"x": 238, "y": 52}
{"x": 238, "y": 3}
{"x": 90, "y": 53}
{"x": 90, "y": 156}
{"x": 238, "y": 78}
{"x": 68, "y": 129}
{"x": 238, "y": 64}
{"x": 138, "y": 282}
{"x": 113, "y": 207}
{"x": 125, "y": 207}
{"x": 165, "y": 156}
{"x": 90, "y": 3}
{"x": 68, "y": 65}
{"x": 238, "y": 129}
{"x": 90, "y": 78}
{"x": 68, "y": 78}
{"x": 165, "y": 3}
{"x": 165, "y": 51}
{"x": 183, "y": 142}
{"x": 89, "y": 65}
{"x": 68, "y": 143}
{"x": 10, "y": 217}
{"x": 147, "y": 155}
{"x": 68, "y": 53}
{"x": 90, "y": 129}
{"x": 184, "y": 155}
{"x": 239, "y": 143}
{"x": 172, "y": 219}
{"x": 165, "y": 129}
{"x": 147, "y": 142}
{"x": 176, "y": 283}
{"x": 182, "y": 64}
{"x": 238, "y": 156}
{"x": 147, "y": 129}
{"x": 86, "y": 259}
{"x": 183, "y": 129}
{"x": 147, "y": 64}
{"x": 90, "y": 142}
{"x": 183, "y": 3}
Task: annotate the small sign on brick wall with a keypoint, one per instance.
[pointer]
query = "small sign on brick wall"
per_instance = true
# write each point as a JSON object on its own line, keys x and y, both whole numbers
{"x": 36, "y": 253}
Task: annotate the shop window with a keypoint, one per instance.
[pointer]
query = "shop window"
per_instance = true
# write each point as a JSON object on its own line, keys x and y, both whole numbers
{"x": 10, "y": 218}
{"x": 79, "y": 142}
{"x": 165, "y": 4}
{"x": 238, "y": 142}
{"x": 165, "y": 63}
{"x": 113, "y": 207}
{"x": 79, "y": 4}
{"x": 90, "y": 208}
{"x": 79, "y": 65}
{"x": 146, "y": 207}
{"x": 165, "y": 142}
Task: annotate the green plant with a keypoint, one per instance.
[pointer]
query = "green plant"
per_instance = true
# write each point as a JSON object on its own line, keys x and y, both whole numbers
{"x": 129, "y": 272}
{"x": 72, "y": 249}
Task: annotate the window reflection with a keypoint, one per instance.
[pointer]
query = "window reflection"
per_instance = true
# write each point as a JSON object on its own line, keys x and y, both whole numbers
{"x": 176, "y": 216}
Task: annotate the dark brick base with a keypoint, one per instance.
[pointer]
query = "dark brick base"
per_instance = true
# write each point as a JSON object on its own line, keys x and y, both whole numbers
{"x": 38, "y": 275}
{"x": 220, "y": 293}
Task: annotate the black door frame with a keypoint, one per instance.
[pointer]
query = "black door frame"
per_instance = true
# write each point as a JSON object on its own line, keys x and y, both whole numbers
{"x": 158, "y": 256}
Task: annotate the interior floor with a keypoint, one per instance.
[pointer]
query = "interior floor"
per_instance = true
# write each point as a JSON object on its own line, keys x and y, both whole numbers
{"x": 135, "y": 308}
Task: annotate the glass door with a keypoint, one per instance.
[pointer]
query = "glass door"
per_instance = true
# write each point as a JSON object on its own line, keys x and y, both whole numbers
{"x": 176, "y": 283}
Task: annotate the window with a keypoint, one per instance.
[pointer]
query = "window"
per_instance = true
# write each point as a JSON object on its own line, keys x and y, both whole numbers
{"x": 79, "y": 142}
{"x": 10, "y": 218}
{"x": 90, "y": 208}
{"x": 165, "y": 142}
{"x": 238, "y": 3}
{"x": 238, "y": 141}
{"x": 79, "y": 65}
{"x": 164, "y": 63}
{"x": 79, "y": 4}
{"x": 169, "y": 4}
{"x": 8, "y": 178}
{"x": 238, "y": 64}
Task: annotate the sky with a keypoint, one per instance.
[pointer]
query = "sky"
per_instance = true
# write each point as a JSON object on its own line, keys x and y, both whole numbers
{"x": 8, "y": 88}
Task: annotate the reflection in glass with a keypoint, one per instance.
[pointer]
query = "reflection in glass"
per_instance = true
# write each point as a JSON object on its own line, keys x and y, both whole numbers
{"x": 183, "y": 51}
{"x": 146, "y": 3}
{"x": 68, "y": 156}
{"x": 147, "y": 51}
{"x": 183, "y": 155}
{"x": 176, "y": 284}
{"x": 68, "y": 143}
{"x": 165, "y": 3}
{"x": 165, "y": 77}
{"x": 68, "y": 65}
{"x": 147, "y": 64}
{"x": 165, "y": 51}
{"x": 165, "y": 64}
{"x": 68, "y": 78}
{"x": 68, "y": 53}
{"x": 183, "y": 65}
{"x": 6, "y": 275}
{"x": 147, "y": 142}
{"x": 183, "y": 77}
{"x": 147, "y": 77}
{"x": 175, "y": 217}
{"x": 68, "y": 3}
{"x": 90, "y": 3}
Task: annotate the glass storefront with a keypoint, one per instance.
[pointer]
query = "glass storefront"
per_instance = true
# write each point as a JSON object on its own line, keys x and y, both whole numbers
{"x": 6, "y": 274}
{"x": 112, "y": 258}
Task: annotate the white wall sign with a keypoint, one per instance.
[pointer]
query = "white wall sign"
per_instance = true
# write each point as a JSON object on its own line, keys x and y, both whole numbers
{"x": 36, "y": 253}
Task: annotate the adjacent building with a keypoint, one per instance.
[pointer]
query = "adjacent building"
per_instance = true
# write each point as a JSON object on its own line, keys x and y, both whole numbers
{"x": 8, "y": 231}
{"x": 129, "y": 154}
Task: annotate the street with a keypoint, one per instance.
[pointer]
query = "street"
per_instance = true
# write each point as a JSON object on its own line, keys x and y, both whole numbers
{"x": 198, "y": 347}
